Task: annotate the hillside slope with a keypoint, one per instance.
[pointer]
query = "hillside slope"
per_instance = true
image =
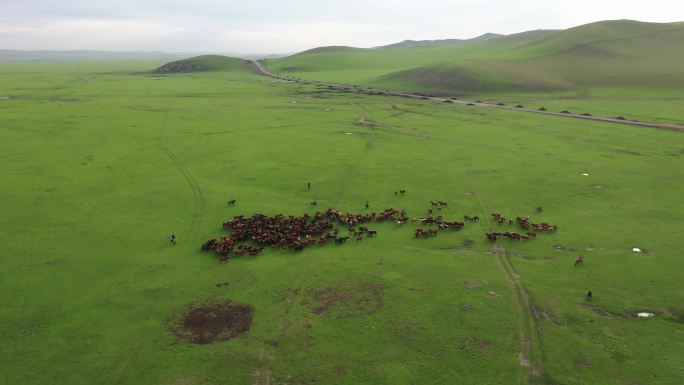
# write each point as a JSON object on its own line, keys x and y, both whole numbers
{"x": 617, "y": 53}
{"x": 428, "y": 43}
{"x": 202, "y": 64}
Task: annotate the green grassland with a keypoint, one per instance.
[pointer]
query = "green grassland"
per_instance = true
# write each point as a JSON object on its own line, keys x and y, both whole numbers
{"x": 607, "y": 61}
{"x": 102, "y": 162}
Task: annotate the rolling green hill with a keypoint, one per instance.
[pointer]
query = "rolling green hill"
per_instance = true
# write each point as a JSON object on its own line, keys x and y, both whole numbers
{"x": 203, "y": 64}
{"x": 602, "y": 31}
{"x": 440, "y": 42}
{"x": 614, "y": 54}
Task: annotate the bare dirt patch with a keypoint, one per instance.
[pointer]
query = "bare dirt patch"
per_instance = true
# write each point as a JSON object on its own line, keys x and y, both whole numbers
{"x": 207, "y": 323}
{"x": 346, "y": 299}
{"x": 546, "y": 314}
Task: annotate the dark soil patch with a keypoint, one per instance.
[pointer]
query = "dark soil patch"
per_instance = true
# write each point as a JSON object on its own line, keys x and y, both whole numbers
{"x": 630, "y": 152}
{"x": 347, "y": 300}
{"x": 55, "y": 262}
{"x": 207, "y": 323}
{"x": 674, "y": 315}
{"x": 605, "y": 312}
{"x": 470, "y": 343}
{"x": 582, "y": 363}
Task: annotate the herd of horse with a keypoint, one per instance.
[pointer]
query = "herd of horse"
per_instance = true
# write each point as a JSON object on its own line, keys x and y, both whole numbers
{"x": 298, "y": 232}
{"x": 295, "y": 232}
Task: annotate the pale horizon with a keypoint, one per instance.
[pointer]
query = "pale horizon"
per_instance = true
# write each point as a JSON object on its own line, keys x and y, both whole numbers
{"x": 212, "y": 26}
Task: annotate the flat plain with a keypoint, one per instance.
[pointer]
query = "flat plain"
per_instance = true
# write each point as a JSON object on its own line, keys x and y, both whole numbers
{"x": 101, "y": 162}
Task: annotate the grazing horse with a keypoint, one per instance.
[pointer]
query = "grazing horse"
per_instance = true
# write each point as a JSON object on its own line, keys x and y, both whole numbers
{"x": 232, "y": 202}
{"x": 579, "y": 261}
{"x": 372, "y": 233}
{"x": 313, "y": 203}
{"x": 402, "y": 192}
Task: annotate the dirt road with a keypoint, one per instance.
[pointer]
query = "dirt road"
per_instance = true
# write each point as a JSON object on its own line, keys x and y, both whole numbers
{"x": 258, "y": 67}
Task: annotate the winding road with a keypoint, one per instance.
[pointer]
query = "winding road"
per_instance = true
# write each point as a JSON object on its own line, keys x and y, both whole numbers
{"x": 259, "y": 68}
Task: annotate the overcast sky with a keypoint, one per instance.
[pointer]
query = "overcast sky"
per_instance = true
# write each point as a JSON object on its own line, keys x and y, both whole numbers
{"x": 269, "y": 26}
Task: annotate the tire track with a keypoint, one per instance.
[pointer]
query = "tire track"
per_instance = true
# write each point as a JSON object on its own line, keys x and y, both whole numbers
{"x": 530, "y": 355}
{"x": 194, "y": 186}
{"x": 344, "y": 186}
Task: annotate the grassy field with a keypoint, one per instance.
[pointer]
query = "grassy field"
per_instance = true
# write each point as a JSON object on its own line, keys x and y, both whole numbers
{"x": 102, "y": 162}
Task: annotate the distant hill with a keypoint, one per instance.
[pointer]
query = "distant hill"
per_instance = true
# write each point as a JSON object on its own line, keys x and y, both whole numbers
{"x": 329, "y": 49}
{"x": 202, "y": 64}
{"x": 614, "y": 53}
{"x": 428, "y": 43}
{"x": 17, "y": 55}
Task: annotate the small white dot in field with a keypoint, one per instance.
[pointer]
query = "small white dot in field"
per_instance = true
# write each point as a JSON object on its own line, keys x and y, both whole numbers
{"x": 328, "y": 109}
{"x": 585, "y": 174}
{"x": 294, "y": 102}
{"x": 349, "y": 133}
{"x": 637, "y": 250}
{"x": 644, "y": 314}
{"x": 4, "y": 97}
